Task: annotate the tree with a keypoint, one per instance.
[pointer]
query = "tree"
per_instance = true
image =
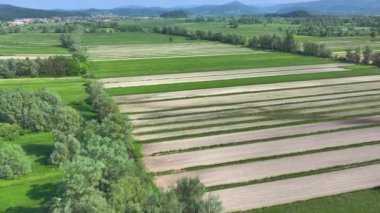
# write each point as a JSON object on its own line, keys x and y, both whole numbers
{"x": 9, "y": 131}
{"x": 13, "y": 161}
{"x": 376, "y": 59}
{"x": 358, "y": 55}
{"x": 367, "y": 55}
{"x": 66, "y": 148}
{"x": 350, "y": 56}
{"x": 81, "y": 178}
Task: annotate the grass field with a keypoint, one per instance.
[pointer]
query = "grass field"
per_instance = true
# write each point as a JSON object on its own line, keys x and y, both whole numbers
{"x": 129, "y": 38}
{"x": 31, "y": 43}
{"x": 107, "y": 69}
{"x": 28, "y": 193}
{"x": 172, "y": 50}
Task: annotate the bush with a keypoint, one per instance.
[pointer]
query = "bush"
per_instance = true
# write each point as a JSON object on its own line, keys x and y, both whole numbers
{"x": 9, "y": 131}
{"x": 37, "y": 111}
{"x": 13, "y": 161}
{"x": 100, "y": 100}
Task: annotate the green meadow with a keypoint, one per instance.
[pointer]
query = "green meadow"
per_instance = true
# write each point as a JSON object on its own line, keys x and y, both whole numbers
{"x": 106, "y": 69}
{"x": 31, "y": 43}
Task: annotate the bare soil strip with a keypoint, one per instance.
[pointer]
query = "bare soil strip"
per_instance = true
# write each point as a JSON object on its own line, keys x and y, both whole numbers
{"x": 194, "y": 118}
{"x": 244, "y": 116}
{"x": 270, "y": 168}
{"x": 298, "y": 189}
{"x": 245, "y": 89}
{"x": 215, "y": 129}
{"x": 267, "y": 95}
{"x": 258, "y": 150}
{"x": 149, "y": 149}
{"x": 225, "y": 101}
{"x": 258, "y": 106}
{"x": 215, "y": 75}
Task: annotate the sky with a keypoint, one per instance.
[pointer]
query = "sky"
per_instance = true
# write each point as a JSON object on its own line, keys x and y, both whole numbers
{"x": 106, "y": 4}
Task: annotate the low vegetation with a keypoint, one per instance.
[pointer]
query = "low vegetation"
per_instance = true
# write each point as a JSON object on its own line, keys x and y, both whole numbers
{"x": 13, "y": 161}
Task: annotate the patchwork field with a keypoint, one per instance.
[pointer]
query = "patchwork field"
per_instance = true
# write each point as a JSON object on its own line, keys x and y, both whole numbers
{"x": 259, "y": 144}
{"x": 172, "y": 50}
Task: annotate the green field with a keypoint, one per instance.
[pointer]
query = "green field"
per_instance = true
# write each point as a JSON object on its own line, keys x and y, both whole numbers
{"x": 106, "y": 69}
{"x": 250, "y": 30}
{"x": 31, "y": 43}
{"x": 128, "y": 38}
{"x": 26, "y": 194}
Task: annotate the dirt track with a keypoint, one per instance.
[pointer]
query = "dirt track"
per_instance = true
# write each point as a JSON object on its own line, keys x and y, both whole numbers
{"x": 245, "y": 89}
{"x": 271, "y": 168}
{"x": 149, "y": 149}
{"x": 216, "y": 75}
{"x": 297, "y": 189}
{"x": 259, "y": 150}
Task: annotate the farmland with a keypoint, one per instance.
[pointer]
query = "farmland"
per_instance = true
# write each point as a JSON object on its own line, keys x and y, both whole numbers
{"x": 254, "y": 130}
{"x": 264, "y": 131}
{"x": 31, "y": 43}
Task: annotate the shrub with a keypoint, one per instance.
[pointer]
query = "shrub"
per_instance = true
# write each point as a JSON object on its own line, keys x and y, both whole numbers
{"x": 9, "y": 131}
{"x": 36, "y": 111}
{"x": 100, "y": 100}
{"x": 13, "y": 161}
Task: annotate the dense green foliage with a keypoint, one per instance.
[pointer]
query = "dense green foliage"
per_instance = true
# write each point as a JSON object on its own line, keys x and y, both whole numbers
{"x": 9, "y": 131}
{"x": 37, "y": 111}
{"x": 99, "y": 99}
{"x": 13, "y": 161}
{"x": 56, "y": 66}
{"x": 101, "y": 174}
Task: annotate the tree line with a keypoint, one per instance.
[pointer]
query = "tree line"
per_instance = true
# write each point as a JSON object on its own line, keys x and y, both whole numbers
{"x": 102, "y": 174}
{"x": 273, "y": 41}
{"x": 366, "y": 56}
{"x": 54, "y": 66}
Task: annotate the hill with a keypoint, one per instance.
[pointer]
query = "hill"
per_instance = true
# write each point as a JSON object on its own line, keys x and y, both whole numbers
{"x": 334, "y": 7}
{"x": 233, "y": 8}
{"x": 12, "y": 12}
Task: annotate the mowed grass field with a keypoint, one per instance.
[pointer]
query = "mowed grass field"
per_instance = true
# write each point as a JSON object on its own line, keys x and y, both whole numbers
{"x": 258, "y": 141}
{"x": 108, "y": 69}
{"x": 31, "y": 43}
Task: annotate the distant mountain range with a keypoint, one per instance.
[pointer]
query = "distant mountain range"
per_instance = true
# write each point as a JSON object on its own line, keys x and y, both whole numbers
{"x": 233, "y": 8}
{"x": 11, "y": 12}
{"x": 334, "y": 7}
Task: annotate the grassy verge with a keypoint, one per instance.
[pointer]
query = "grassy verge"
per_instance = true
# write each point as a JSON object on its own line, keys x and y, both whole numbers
{"x": 240, "y": 82}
